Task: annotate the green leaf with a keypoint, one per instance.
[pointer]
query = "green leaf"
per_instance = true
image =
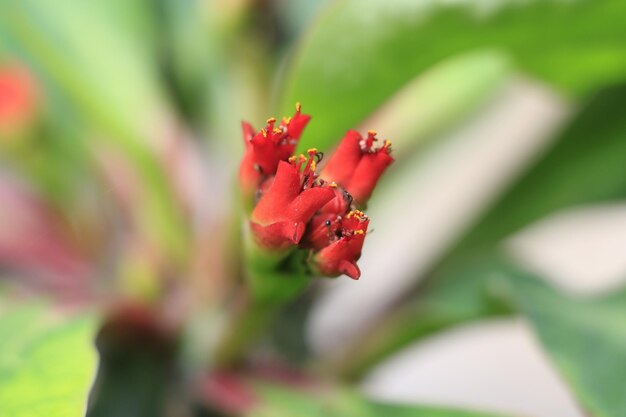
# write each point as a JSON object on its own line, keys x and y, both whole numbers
{"x": 282, "y": 402}
{"x": 101, "y": 77}
{"x": 46, "y": 364}
{"x": 439, "y": 98}
{"x": 93, "y": 64}
{"x": 469, "y": 289}
{"x": 586, "y": 338}
{"x": 360, "y": 53}
{"x": 584, "y": 165}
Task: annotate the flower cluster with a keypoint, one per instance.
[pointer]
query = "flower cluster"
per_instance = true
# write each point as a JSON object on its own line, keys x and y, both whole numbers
{"x": 294, "y": 206}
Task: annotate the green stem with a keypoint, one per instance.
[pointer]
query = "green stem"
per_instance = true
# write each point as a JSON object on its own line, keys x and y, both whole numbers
{"x": 246, "y": 327}
{"x": 273, "y": 279}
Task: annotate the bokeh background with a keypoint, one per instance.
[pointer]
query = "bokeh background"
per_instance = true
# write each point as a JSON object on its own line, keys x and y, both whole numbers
{"x": 120, "y": 141}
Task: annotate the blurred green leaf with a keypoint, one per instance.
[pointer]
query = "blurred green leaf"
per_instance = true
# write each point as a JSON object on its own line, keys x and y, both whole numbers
{"x": 282, "y": 402}
{"x": 94, "y": 63}
{"x": 46, "y": 364}
{"x": 360, "y": 53}
{"x": 466, "y": 290}
{"x": 585, "y": 164}
{"x": 586, "y": 338}
{"x": 188, "y": 45}
{"x": 104, "y": 74}
{"x": 438, "y": 98}
{"x": 295, "y": 15}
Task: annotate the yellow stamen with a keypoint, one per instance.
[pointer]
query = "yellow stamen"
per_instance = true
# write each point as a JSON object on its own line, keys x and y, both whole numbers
{"x": 277, "y": 131}
{"x": 359, "y": 232}
{"x": 264, "y": 132}
{"x": 313, "y": 165}
{"x": 372, "y": 132}
{"x": 312, "y": 151}
{"x": 271, "y": 120}
{"x": 357, "y": 213}
{"x": 298, "y": 106}
{"x": 292, "y": 159}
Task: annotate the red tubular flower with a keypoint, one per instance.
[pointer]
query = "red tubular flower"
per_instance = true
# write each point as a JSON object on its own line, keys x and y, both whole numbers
{"x": 326, "y": 224}
{"x": 279, "y": 219}
{"x": 249, "y": 176}
{"x": 340, "y": 256}
{"x": 294, "y": 207}
{"x": 357, "y": 166}
{"x": 265, "y": 149}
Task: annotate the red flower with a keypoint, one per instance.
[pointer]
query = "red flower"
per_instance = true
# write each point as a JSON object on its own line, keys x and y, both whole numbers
{"x": 326, "y": 224}
{"x": 357, "y": 166}
{"x": 18, "y": 99}
{"x": 279, "y": 219}
{"x": 265, "y": 149}
{"x": 340, "y": 256}
{"x": 297, "y": 208}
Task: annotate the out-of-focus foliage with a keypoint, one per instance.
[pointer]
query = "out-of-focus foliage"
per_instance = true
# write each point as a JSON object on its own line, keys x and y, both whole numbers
{"x": 136, "y": 118}
{"x": 586, "y": 338}
{"x": 337, "y": 402}
{"x": 568, "y": 173}
{"x": 106, "y": 82}
{"x": 47, "y": 364}
{"x": 440, "y": 97}
{"x": 584, "y": 165}
{"x": 360, "y": 53}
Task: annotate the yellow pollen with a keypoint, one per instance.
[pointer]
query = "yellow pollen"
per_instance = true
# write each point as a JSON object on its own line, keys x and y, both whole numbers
{"x": 313, "y": 165}
{"x": 271, "y": 120}
{"x": 387, "y": 144}
{"x": 264, "y": 132}
{"x": 312, "y": 151}
{"x": 298, "y": 106}
{"x": 359, "y": 232}
{"x": 356, "y": 213}
{"x": 372, "y": 132}
{"x": 277, "y": 131}
{"x": 287, "y": 120}
{"x": 302, "y": 158}
{"x": 333, "y": 184}
{"x": 292, "y": 159}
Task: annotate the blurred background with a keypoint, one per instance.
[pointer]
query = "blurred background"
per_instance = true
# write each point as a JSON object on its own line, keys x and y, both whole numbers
{"x": 119, "y": 147}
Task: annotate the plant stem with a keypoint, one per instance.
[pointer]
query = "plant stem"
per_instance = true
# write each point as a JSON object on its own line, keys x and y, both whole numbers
{"x": 273, "y": 279}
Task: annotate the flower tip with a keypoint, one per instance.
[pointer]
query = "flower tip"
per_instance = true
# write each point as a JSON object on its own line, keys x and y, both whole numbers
{"x": 248, "y": 131}
{"x": 294, "y": 231}
{"x": 350, "y": 269}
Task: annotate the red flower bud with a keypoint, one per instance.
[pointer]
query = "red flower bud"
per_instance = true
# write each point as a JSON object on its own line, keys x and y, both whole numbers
{"x": 265, "y": 149}
{"x": 340, "y": 256}
{"x": 357, "y": 166}
{"x": 294, "y": 196}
